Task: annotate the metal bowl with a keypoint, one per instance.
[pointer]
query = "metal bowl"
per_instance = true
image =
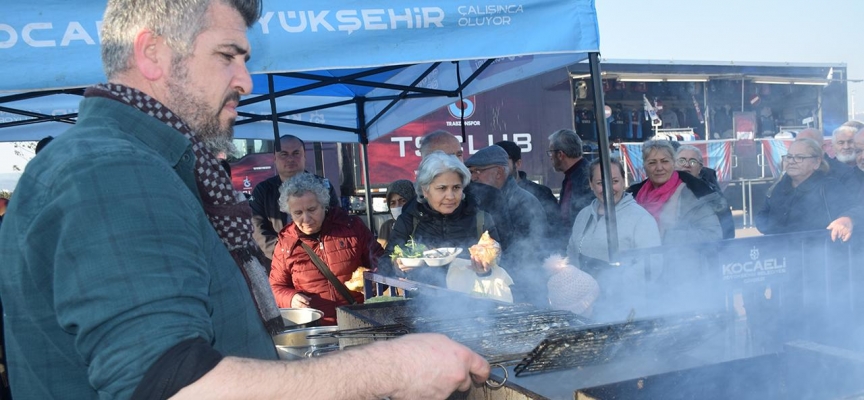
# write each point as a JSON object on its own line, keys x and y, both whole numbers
{"x": 300, "y": 317}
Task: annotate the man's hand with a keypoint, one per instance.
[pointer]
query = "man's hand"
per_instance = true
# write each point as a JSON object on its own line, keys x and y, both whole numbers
{"x": 300, "y": 300}
{"x": 841, "y": 228}
{"x": 433, "y": 367}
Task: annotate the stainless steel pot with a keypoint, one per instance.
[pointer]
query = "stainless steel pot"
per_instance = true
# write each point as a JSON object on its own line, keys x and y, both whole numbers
{"x": 294, "y": 345}
{"x": 300, "y": 317}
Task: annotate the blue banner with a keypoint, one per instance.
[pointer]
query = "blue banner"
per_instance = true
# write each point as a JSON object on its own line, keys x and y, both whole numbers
{"x": 47, "y": 44}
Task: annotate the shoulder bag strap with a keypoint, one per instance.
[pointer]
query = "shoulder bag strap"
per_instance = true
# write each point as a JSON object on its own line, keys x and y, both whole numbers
{"x": 340, "y": 287}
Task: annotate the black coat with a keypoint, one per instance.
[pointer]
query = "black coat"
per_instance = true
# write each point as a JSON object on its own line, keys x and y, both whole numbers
{"x": 812, "y": 205}
{"x": 433, "y": 229}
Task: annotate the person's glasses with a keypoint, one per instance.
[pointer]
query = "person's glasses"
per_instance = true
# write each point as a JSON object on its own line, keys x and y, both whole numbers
{"x": 796, "y": 158}
{"x": 475, "y": 171}
{"x": 551, "y": 152}
{"x": 684, "y": 162}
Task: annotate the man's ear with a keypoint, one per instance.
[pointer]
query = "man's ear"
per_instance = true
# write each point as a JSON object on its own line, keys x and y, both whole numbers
{"x": 152, "y": 56}
{"x": 518, "y": 164}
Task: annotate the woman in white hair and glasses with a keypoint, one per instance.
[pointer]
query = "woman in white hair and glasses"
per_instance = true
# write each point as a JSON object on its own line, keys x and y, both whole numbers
{"x": 441, "y": 217}
{"x": 806, "y": 197}
{"x": 341, "y": 241}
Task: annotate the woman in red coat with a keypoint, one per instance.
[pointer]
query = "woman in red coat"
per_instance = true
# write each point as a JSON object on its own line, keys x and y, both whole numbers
{"x": 342, "y": 241}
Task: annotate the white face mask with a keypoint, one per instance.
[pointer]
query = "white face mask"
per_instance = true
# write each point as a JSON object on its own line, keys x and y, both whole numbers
{"x": 396, "y": 212}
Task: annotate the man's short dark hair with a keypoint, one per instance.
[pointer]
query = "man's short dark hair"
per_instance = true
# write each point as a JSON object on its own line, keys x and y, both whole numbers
{"x": 291, "y": 137}
{"x": 514, "y": 152}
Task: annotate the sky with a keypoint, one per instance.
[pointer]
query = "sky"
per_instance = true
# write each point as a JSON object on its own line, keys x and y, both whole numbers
{"x": 800, "y": 31}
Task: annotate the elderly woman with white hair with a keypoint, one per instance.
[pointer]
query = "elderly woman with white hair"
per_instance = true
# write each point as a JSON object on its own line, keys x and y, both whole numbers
{"x": 441, "y": 217}
{"x": 683, "y": 205}
{"x": 341, "y": 242}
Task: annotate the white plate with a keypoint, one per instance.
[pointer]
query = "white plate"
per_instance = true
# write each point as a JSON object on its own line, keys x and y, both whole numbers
{"x": 441, "y": 256}
{"x": 411, "y": 262}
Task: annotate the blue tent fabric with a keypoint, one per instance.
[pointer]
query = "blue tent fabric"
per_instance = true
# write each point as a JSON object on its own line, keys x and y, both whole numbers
{"x": 369, "y": 66}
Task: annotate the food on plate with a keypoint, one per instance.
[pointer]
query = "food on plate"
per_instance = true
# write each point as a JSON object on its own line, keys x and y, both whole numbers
{"x": 486, "y": 250}
{"x": 412, "y": 249}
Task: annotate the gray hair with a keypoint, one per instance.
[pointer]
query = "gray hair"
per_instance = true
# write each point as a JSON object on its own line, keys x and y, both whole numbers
{"x": 432, "y": 138}
{"x": 855, "y": 124}
{"x": 178, "y": 21}
{"x": 815, "y": 149}
{"x": 843, "y": 129}
{"x": 651, "y": 145}
{"x": 613, "y": 161}
{"x": 299, "y": 185}
{"x": 692, "y": 148}
{"x": 566, "y": 141}
{"x": 436, "y": 164}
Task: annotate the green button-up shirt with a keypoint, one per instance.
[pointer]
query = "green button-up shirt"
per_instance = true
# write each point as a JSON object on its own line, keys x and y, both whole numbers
{"x": 107, "y": 260}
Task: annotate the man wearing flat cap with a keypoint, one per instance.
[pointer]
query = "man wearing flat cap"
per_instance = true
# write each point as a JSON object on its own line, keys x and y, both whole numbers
{"x": 526, "y": 218}
{"x": 542, "y": 193}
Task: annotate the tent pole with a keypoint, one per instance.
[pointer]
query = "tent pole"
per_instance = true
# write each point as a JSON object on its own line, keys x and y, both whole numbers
{"x": 277, "y": 146}
{"x": 603, "y": 152}
{"x": 364, "y": 151}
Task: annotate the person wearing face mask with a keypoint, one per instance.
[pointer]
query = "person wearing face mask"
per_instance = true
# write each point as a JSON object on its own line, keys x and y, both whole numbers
{"x": 683, "y": 205}
{"x": 399, "y": 193}
{"x": 340, "y": 241}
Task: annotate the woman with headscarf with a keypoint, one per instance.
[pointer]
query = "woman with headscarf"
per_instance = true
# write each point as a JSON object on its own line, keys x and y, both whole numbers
{"x": 684, "y": 206}
{"x": 806, "y": 197}
{"x": 440, "y": 216}
{"x": 399, "y": 193}
{"x": 340, "y": 240}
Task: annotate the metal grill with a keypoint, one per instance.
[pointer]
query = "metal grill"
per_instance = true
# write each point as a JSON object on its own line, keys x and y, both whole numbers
{"x": 669, "y": 336}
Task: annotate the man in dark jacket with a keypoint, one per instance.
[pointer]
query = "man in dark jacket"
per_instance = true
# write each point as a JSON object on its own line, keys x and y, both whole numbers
{"x": 689, "y": 159}
{"x": 542, "y": 193}
{"x": 565, "y": 150}
{"x": 267, "y": 219}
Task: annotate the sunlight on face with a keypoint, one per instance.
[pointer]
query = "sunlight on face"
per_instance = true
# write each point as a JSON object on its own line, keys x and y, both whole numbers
{"x": 659, "y": 166}
{"x": 444, "y": 193}
{"x": 617, "y": 183}
{"x": 306, "y": 212}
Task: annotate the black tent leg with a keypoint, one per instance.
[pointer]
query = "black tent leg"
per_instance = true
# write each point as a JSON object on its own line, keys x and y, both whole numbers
{"x": 603, "y": 143}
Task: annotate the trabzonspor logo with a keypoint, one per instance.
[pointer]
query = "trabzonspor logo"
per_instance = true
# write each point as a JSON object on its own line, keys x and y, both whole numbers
{"x": 458, "y": 107}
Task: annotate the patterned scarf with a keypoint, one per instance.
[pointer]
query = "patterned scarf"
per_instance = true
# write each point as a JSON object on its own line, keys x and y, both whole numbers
{"x": 653, "y": 199}
{"x": 226, "y": 209}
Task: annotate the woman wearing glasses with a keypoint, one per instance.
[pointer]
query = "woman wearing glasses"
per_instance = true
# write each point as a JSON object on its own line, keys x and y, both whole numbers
{"x": 684, "y": 206}
{"x": 805, "y": 198}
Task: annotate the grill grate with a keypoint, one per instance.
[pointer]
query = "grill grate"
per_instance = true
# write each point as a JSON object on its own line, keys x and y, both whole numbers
{"x": 569, "y": 348}
{"x": 504, "y": 334}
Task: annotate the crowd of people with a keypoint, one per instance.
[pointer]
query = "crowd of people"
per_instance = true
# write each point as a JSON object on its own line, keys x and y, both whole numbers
{"x": 136, "y": 270}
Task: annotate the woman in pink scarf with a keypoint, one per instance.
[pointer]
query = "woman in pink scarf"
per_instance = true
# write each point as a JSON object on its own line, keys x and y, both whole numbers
{"x": 684, "y": 206}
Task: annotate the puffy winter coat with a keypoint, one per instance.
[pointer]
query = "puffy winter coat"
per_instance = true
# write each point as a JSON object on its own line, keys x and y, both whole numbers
{"x": 433, "y": 229}
{"x": 344, "y": 243}
{"x": 812, "y": 205}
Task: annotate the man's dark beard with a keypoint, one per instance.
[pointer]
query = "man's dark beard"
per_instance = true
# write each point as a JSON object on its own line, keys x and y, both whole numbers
{"x": 194, "y": 112}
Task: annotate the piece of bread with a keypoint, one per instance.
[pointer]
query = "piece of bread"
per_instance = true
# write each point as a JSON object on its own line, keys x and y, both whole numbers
{"x": 486, "y": 250}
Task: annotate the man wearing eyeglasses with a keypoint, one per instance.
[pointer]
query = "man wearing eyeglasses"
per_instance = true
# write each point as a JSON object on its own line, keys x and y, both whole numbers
{"x": 689, "y": 159}
{"x": 267, "y": 219}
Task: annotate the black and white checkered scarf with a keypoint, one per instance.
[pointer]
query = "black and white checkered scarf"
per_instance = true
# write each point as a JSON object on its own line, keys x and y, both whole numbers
{"x": 226, "y": 209}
